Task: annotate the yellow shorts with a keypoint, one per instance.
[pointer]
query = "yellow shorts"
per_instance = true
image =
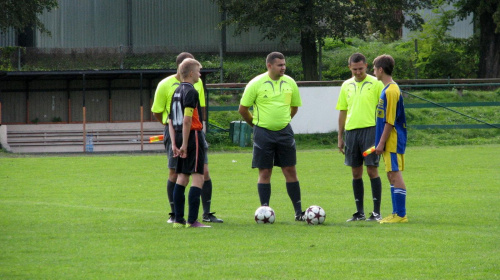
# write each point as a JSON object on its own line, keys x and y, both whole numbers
{"x": 393, "y": 161}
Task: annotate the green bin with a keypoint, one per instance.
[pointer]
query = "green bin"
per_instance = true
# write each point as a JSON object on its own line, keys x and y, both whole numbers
{"x": 240, "y": 133}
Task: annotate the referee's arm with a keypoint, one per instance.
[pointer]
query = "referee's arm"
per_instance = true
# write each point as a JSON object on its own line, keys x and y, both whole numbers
{"x": 342, "y": 118}
{"x": 245, "y": 113}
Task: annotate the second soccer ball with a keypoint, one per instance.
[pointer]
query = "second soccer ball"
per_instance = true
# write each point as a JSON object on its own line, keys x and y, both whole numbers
{"x": 315, "y": 215}
{"x": 264, "y": 215}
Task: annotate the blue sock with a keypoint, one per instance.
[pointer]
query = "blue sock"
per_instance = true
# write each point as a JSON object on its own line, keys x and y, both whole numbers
{"x": 393, "y": 200}
{"x": 179, "y": 201}
{"x": 400, "y": 197}
{"x": 194, "y": 204}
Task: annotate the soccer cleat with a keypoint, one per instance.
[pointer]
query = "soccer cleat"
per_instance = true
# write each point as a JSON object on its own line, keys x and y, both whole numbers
{"x": 196, "y": 224}
{"x": 357, "y": 217}
{"x": 210, "y": 218}
{"x": 387, "y": 218}
{"x": 396, "y": 219}
{"x": 301, "y": 217}
{"x": 171, "y": 219}
{"x": 179, "y": 224}
{"x": 374, "y": 217}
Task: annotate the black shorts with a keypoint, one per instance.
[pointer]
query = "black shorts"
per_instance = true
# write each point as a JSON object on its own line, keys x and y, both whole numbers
{"x": 167, "y": 141}
{"x": 195, "y": 159}
{"x": 356, "y": 142}
{"x": 273, "y": 148}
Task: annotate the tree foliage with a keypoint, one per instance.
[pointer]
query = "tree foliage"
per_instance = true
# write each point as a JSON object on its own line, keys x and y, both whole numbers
{"x": 311, "y": 21}
{"x": 22, "y": 14}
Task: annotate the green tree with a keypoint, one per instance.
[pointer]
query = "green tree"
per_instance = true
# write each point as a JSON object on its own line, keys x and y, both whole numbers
{"x": 487, "y": 15}
{"x": 311, "y": 21}
{"x": 22, "y": 14}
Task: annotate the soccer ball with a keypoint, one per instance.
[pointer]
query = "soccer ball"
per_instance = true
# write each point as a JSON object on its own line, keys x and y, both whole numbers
{"x": 315, "y": 215}
{"x": 264, "y": 215}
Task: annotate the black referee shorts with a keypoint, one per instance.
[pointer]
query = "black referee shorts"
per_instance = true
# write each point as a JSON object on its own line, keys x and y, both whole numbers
{"x": 273, "y": 148}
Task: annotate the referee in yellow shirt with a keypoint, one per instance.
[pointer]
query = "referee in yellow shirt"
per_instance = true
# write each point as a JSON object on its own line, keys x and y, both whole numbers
{"x": 161, "y": 107}
{"x": 275, "y": 99}
{"x": 357, "y": 104}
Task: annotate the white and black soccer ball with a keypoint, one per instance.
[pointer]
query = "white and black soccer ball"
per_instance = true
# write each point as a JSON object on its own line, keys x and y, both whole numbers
{"x": 315, "y": 215}
{"x": 264, "y": 215}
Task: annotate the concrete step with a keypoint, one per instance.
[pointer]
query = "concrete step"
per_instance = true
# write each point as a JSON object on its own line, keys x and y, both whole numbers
{"x": 68, "y": 138}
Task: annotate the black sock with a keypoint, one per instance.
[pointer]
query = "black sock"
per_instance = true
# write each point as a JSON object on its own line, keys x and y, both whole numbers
{"x": 359, "y": 191}
{"x": 293, "y": 190}
{"x": 179, "y": 201}
{"x": 206, "y": 196}
{"x": 170, "y": 195}
{"x": 194, "y": 204}
{"x": 264, "y": 193}
{"x": 376, "y": 193}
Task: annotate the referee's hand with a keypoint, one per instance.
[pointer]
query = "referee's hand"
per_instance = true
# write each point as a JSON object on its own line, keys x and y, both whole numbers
{"x": 341, "y": 146}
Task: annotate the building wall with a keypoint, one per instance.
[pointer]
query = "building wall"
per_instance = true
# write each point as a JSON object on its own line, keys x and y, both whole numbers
{"x": 45, "y": 100}
{"x": 461, "y": 29}
{"x": 146, "y": 26}
{"x": 8, "y": 39}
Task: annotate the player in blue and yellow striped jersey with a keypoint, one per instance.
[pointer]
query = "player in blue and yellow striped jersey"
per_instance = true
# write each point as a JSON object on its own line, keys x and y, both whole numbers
{"x": 390, "y": 136}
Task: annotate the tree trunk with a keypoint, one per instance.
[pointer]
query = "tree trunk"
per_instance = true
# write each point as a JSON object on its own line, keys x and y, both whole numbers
{"x": 489, "y": 49}
{"x": 309, "y": 56}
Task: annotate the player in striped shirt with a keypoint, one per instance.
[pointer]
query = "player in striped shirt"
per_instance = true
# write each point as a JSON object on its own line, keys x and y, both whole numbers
{"x": 391, "y": 135}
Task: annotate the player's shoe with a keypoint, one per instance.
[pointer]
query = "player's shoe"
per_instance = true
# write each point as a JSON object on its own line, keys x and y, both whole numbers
{"x": 374, "y": 217}
{"x": 196, "y": 224}
{"x": 210, "y": 218}
{"x": 301, "y": 217}
{"x": 171, "y": 219}
{"x": 357, "y": 217}
{"x": 387, "y": 218}
{"x": 179, "y": 224}
{"x": 396, "y": 219}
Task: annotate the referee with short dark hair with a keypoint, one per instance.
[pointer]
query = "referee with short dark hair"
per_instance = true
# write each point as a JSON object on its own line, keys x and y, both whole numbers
{"x": 275, "y": 99}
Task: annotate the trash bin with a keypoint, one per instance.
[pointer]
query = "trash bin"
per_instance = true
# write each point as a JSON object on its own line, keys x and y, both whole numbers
{"x": 89, "y": 147}
{"x": 240, "y": 133}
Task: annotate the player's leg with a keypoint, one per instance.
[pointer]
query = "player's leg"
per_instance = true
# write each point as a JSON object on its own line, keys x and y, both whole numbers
{"x": 286, "y": 158}
{"x": 194, "y": 164}
{"x": 354, "y": 159}
{"x": 264, "y": 185}
{"x": 172, "y": 175}
{"x": 172, "y": 178}
{"x": 206, "y": 191}
{"x": 206, "y": 196}
{"x": 367, "y": 136}
{"x": 263, "y": 159}
{"x": 358, "y": 190}
{"x": 376, "y": 184}
{"x": 194, "y": 198}
{"x": 394, "y": 166}
{"x": 293, "y": 190}
{"x": 180, "y": 199}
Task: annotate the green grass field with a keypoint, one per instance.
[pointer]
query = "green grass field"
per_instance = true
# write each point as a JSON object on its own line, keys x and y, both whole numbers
{"x": 104, "y": 217}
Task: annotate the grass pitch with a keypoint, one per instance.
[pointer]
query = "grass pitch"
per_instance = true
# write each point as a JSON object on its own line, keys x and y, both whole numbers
{"x": 104, "y": 217}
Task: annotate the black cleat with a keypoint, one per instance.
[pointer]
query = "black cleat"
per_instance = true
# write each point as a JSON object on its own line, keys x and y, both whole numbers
{"x": 171, "y": 219}
{"x": 357, "y": 217}
{"x": 210, "y": 218}
{"x": 374, "y": 217}
{"x": 301, "y": 217}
